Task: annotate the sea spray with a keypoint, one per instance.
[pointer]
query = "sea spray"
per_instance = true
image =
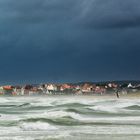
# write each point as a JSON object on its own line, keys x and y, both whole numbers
{"x": 69, "y": 118}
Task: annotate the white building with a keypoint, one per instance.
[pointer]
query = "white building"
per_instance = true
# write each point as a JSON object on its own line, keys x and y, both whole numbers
{"x": 51, "y": 88}
{"x": 129, "y": 85}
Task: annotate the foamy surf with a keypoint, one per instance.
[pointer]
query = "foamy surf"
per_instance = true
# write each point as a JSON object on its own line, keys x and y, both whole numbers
{"x": 66, "y": 118}
{"x": 38, "y": 126}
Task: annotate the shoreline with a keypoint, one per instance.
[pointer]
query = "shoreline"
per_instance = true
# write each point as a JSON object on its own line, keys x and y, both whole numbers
{"x": 93, "y": 96}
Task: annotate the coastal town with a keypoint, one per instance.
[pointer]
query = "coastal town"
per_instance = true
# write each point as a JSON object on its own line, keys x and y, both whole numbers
{"x": 84, "y": 88}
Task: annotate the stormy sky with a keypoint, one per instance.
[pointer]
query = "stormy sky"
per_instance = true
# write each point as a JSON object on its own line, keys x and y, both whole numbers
{"x": 69, "y": 40}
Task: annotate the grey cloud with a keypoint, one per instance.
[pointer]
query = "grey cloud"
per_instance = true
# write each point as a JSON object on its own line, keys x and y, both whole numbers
{"x": 112, "y": 14}
{"x": 113, "y": 22}
{"x": 91, "y": 13}
{"x": 36, "y": 11}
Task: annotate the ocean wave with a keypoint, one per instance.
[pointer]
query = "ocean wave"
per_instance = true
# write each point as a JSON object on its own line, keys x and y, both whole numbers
{"x": 24, "y": 105}
{"x": 73, "y": 117}
{"x": 62, "y": 121}
{"x": 133, "y": 107}
{"x": 79, "y": 111}
{"x": 68, "y": 118}
{"x": 8, "y": 123}
{"x": 38, "y": 126}
{"x": 7, "y": 106}
{"x": 115, "y": 105}
{"x": 57, "y": 118}
{"x": 69, "y": 121}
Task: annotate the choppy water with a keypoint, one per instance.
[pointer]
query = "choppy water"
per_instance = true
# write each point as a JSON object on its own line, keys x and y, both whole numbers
{"x": 69, "y": 118}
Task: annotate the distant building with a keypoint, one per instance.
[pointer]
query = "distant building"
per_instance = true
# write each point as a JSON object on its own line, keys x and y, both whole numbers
{"x": 1, "y": 91}
{"x": 130, "y": 85}
{"x": 8, "y": 90}
{"x": 87, "y": 88}
{"x": 51, "y": 88}
{"x": 64, "y": 87}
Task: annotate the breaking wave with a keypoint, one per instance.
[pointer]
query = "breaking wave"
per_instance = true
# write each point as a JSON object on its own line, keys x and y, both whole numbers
{"x": 52, "y": 116}
{"x": 38, "y": 126}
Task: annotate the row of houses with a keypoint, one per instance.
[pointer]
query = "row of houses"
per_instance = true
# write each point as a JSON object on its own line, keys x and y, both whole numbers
{"x": 85, "y": 88}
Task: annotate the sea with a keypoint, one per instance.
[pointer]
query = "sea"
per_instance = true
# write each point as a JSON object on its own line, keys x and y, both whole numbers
{"x": 69, "y": 118}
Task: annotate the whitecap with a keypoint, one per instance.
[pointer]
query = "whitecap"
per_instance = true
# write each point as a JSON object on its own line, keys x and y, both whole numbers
{"x": 38, "y": 126}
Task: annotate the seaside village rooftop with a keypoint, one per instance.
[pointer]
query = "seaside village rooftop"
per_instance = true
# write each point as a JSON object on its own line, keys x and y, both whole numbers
{"x": 76, "y": 89}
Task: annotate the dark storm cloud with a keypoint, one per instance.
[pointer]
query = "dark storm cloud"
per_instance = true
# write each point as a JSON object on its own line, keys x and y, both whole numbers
{"x": 132, "y": 22}
{"x": 69, "y": 40}
{"x": 36, "y": 11}
{"x": 112, "y": 14}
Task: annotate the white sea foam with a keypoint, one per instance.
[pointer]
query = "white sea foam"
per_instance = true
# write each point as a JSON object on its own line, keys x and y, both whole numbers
{"x": 115, "y": 107}
{"x": 101, "y": 116}
{"x": 40, "y": 126}
{"x": 54, "y": 115}
{"x": 3, "y": 100}
{"x": 87, "y": 119}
